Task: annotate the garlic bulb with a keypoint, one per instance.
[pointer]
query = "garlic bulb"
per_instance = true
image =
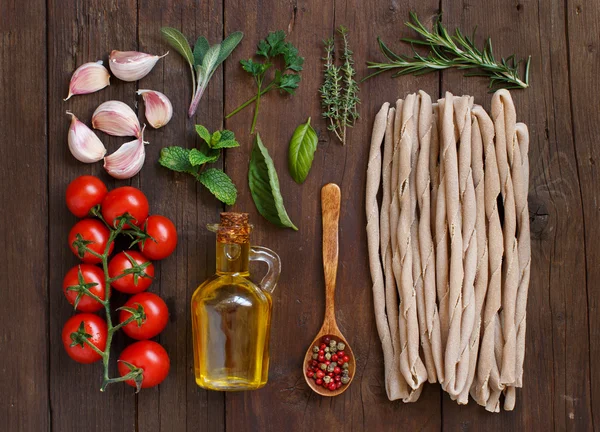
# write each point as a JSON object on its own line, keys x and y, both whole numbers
{"x": 128, "y": 160}
{"x": 158, "y": 108}
{"x": 88, "y": 78}
{"x": 83, "y": 142}
{"x": 131, "y": 65}
{"x": 116, "y": 118}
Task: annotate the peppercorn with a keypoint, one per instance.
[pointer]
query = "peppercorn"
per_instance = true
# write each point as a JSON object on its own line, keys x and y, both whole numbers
{"x": 338, "y": 385}
{"x": 321, "y": 358}
{"x": 333, "y": 349}
{"x": 316, "y": 349}
{"x": 326, "y": 349}
{"x": 326, "y": 339}
{"x": 327, "y": 379}
{"x": 345, "y": 365}
{"x": 318, "y": 381}
{"x": 337, "y": 378}
{"x": 345, "y": 380}
{"x": 341, "y": 346}
{"x": 328, "y": 356}
{"x": 341, "y": 353}
{"x": 320, "y": 374}
{"x": 315, "y": 356}
{"x": 336, "y": 370}
{"x": 323, "y": 366}
{"x": 331, "y": 368}
{"x": 332, "y": 386}
{"x": 332, "y": 343}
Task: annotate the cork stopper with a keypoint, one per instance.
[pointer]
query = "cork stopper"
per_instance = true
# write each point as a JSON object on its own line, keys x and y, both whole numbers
{"x": 234, "y": 228}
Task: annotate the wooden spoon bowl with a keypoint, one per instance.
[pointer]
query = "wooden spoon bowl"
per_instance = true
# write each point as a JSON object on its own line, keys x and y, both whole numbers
{"x": 330, "y": 204}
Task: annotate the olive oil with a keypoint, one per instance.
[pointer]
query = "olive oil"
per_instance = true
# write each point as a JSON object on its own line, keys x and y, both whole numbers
{"x": 231, "y": 316}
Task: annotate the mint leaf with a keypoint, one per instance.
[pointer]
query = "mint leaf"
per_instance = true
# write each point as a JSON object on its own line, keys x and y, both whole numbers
{"x": 219, "y": 184}
{"x": 197, "y": 158}
{"x": 203, "y": 133}
{"x": 176, "y": 159}
{"x": 216, "y": 137}
{"x": 227, "y": 135}
{"x": 200, "y": 49}
{"x": 226, "y": 144}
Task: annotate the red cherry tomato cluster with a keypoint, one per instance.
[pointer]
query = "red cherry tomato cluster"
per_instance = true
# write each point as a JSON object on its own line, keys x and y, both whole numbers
{"x": 329, "y": 364}
{"x": 129, "y": 271}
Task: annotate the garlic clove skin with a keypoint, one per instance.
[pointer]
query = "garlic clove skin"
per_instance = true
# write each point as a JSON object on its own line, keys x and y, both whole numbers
{"x": 88, "y": 78}
{"x": 84, "y": 145}
{"x": 116, "y": 118}
{"x": 128, "y": 160}
{"x": 158, "y": 108}
{"x": 132, "y": 65}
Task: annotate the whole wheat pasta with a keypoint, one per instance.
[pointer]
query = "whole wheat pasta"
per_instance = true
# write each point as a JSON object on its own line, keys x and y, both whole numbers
{"x": 486, "y": 363}
{"x": 481, "y": 276}
{"x": 402, "y": 257}
{"x": 427, "y": 128}
{"x": 372, "y": 211}
{"x": 416, "y": 253}
{"x": 449, "y": 159}
{"x": 504, "y": 116}
{"x": 395, "y": 382}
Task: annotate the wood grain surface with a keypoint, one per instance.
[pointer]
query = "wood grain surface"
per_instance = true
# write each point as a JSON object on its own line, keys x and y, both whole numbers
{"x": 43, "y": 41}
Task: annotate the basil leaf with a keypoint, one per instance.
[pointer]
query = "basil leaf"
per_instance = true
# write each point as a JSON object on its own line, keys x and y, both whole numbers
{"x": 176, "y": 159}
{"x": 228, "y": 45}
{"x": 178, "y": 42}
{"x": 203, "y": 133}
{"x": 200, "y": 49}
{"x": 302, "y": 151}
{"x": 264, "y": 187}
{"x": 219, "y": 184}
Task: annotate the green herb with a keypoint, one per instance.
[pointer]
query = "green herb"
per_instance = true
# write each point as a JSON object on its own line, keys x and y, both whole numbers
{"x": 193, "y": 161}
{"x": 203, "y": 61}
{"x": 270, "y": 49}
{"x": 339, "y": 92}
{"x": 447, "y": 51}
{"x": 302, "y": 151}
{"x": 264, "y": 186}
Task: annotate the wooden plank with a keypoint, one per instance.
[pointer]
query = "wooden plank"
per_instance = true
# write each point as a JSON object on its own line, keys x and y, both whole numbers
{"x": 80, "y": 32}
{"x": 178, "y": 404}
{"x": 286, "y": 402}
{"x": 584, "y": 40}
{"x": 24, "y": 403}
{"x": 556, "y": 362}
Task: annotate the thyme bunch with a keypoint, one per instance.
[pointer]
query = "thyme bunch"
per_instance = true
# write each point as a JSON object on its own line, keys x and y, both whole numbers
{"x": 339, "y": 92}
{"x": 452, "y": 51}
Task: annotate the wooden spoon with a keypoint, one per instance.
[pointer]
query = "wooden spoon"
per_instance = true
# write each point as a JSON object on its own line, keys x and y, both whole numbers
{"x": 330, "y": 208}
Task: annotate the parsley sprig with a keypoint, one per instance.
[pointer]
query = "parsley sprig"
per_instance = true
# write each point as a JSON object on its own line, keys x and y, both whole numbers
{"x": 285, "y": 79}
{"x": 452, "y": 51}
{"x": 193, "y": 161}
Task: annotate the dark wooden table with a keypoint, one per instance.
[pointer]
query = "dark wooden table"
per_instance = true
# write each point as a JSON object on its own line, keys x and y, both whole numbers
{"x": 43, "y": 41}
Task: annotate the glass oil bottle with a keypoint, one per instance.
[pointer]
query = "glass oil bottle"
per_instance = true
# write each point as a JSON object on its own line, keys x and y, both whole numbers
{"x": 231, "y": 316}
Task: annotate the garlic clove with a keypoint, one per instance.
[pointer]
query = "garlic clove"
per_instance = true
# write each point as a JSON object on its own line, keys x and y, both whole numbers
{"x": 158, "y": 108}
{"x": 128, "y": 160}
{"x": 132, "y": 65}
{"x": 88, "y": 78}
{"x": 83, "y": 142}
{"x": 116, "y": 118}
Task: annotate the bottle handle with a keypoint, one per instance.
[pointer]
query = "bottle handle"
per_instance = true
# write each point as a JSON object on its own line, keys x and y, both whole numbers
{"x": 259, "y": 253}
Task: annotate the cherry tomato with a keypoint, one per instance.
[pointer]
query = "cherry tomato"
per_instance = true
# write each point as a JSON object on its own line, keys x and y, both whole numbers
{"x": 127, "y": 284}
{"x": 157, "y": 316}
{"x": 123, "y": 200}
{"x": 84, "y": 193}
{"x": 163, "y": 231}
{"x": 93, "y": 325}
{"x": 92, "y": 230}
{"x": 91, "y": 274}
{"x": 149, "y": 356}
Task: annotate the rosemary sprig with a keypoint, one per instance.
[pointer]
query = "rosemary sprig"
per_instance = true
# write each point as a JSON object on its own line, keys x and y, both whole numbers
{"x": 339, "y": 92}
{"x": 452, "y": 51}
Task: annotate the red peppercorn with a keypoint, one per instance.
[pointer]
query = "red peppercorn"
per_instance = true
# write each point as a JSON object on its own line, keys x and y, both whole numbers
{"x": 310, "y": 374}
{"x": 320, "y": 374}
{"x": 337, "y": 378}
{"x": 318, "y": 381}
{"x": 337, "y": 370}
{"x": 340, "y": 353}
{"x": 327, "y": 362}
{"x": 334, "y": 357}
{"x": 321, "y": 358}
{"x": 322, "y": 346}
{"x": 346, "y": 359}
{"x": 314, "y": 363}
{"x": 321, "y": 352}
{"x": 338, "y": 385}
{"x": 326, "y": 339}
{"x": 332, "y": 386}
{"x": 340, "y": 361}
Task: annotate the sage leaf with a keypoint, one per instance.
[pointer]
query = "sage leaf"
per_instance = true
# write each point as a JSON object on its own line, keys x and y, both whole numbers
{"x": 200, "y": 49}
{"x": 302, "y": 151}
{"x": 219, "y": 184}
{"x": 178, "y": 41}
{"x": 209, "y": 63}
{"x": 264, "y": 186}
{"x": 228, "y": 45}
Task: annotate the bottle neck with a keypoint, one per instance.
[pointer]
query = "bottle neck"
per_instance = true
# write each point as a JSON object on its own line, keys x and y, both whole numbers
{"x": 233, "y": 258}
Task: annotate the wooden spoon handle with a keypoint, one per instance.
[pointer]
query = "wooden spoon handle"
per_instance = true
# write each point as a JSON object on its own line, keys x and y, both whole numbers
{"x": 330, "y": 208}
